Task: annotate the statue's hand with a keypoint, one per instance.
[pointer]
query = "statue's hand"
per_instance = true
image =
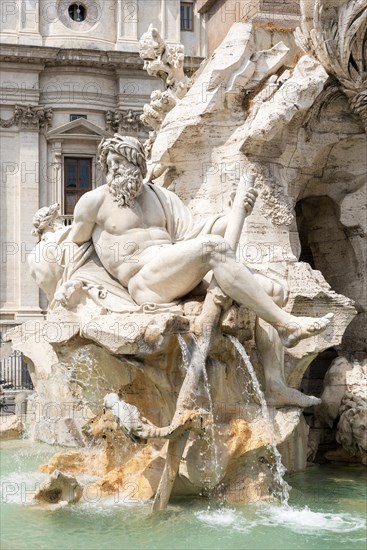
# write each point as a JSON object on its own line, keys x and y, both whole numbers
{"x": 249, "y": 200}
{"x": 66, "y": 290}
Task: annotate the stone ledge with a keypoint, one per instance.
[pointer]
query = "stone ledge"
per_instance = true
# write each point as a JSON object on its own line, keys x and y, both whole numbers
{"x": 94, "y": 58}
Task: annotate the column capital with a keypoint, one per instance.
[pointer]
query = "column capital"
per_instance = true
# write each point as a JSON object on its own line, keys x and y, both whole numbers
{"x": 29, "y": 117}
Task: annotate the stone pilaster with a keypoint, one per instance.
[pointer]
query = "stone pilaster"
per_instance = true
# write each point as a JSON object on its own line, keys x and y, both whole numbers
{"x": 21, "y": 189}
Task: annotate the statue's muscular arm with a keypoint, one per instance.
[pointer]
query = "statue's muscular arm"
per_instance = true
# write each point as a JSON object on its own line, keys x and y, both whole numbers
{"x": 220, "y": 225}
{"x": 85, "y": 216}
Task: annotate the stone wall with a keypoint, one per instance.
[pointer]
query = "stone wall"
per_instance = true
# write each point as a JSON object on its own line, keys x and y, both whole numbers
{"x": 277, "y": 17}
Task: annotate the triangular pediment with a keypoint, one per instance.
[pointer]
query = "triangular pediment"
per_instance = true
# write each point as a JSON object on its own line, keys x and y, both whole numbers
{"x": 78, "y": 128}
{"x": 81, "y": 130}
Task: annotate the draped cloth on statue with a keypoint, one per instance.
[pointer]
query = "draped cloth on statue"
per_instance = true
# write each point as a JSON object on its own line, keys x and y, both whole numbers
{"x": 83, "y": 267}
{"x": 181, "y": 225}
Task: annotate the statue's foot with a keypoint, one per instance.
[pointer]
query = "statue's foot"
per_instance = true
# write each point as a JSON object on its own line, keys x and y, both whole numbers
{"x": 279, "y": 395}
{"x": 301, "y": 328}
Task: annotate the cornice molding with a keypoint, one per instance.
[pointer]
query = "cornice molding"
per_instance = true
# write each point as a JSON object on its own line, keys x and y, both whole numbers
{"x": 48, "y": 56}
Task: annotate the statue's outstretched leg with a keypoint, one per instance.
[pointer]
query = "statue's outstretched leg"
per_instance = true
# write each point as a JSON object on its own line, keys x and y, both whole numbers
{"x": 185, "y": 265}
{"x": 238, "y": 282}
{"x": 271, "y": 350}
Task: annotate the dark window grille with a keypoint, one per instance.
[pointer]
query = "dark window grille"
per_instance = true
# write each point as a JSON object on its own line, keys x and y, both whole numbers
{"x": 75, "y": 117}
{"x": 77, "y": 181}
{"x": 77, "y": 12}
{"x": 14, "y": 373}
{"x": 187, "y": 16}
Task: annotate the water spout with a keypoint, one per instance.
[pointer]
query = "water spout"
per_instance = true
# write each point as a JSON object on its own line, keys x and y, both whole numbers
{"x": 282, "y": 491}
{"x": 210, "y": 434}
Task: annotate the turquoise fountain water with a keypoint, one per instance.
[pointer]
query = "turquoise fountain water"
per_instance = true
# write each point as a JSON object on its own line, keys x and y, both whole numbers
{"x": 326, "y": 510}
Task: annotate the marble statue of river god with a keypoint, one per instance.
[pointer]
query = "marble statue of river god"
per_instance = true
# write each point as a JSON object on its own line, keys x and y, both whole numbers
{"x": 142, "y": 239}
{"x": 147, "y": 240}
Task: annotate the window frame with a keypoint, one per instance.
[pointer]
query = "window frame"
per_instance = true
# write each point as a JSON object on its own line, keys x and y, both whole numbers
{"x": 76, "y": 116}
{"x": 83, "y": 11}
{"x": 78, "y": 190}
{"x": 184, "y": 5}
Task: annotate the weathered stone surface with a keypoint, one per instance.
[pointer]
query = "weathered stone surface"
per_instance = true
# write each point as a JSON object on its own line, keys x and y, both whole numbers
{"x": 296, "y": 95}
{"x": 74, "y": 463}
{"x": 267, "y": 62}
{"x": 204, "y": 465}
{"x": 59, "y": 490}
{"x": 352, "y": 432}
{"x": 166, "y": 63}
{"x": 335, "y": 387}
{"x": 336, "y": 37}
{"x": 134, "y": 333}
{"x": 343, "y": 401}
{"x": 11, "y": 427}
{"x": 294, "y": 449}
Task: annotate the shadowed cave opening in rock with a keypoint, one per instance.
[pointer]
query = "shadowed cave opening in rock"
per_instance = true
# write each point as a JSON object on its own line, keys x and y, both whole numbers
{"x": 312, "y": 381}
{"x": 330, "y": 247}
{"x": 325, "y": 246}
{"x": 325, "y": 243}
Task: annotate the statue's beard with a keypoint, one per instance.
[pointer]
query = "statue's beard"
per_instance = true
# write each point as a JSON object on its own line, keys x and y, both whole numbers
{"x": 124, "y": 185}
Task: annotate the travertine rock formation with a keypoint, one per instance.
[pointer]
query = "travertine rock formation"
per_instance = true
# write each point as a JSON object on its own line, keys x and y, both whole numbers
{"x": 147, "y": 368}
{"x": 11, "y": 427}
{"x": 59, "y": 490}
{"x": 165, "y": 63}
{"x": 352, "y": 426}
{"x": 344, "y": 400}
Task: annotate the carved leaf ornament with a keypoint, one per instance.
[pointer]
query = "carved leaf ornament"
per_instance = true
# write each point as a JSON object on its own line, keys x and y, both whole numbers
{"x": 338, "y": 40}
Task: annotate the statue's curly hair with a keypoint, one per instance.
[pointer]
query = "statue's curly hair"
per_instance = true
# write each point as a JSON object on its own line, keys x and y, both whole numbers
{"x": 126, "y": 146}
{"x": 45, "y": 217}
{"x": 352, "y": 406}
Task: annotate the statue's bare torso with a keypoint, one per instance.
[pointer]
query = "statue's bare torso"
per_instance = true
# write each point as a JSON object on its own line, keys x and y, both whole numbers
{"x": 125, "y": 238}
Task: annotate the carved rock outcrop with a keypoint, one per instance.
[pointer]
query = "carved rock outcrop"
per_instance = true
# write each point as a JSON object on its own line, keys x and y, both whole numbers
{"x": 58, "y": 490}
{"x": 11, "y": 427}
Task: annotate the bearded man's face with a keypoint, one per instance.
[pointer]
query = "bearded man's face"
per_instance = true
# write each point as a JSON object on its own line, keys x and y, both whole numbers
{"x": 124, "y": 180}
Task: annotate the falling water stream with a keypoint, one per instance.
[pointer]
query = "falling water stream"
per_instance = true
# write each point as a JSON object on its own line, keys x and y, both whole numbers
{"x": 281, "y": 486}
{"x": 282, "y": 491}
{"x": 185, "y": 351}
{"x": 214, "y": 446}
